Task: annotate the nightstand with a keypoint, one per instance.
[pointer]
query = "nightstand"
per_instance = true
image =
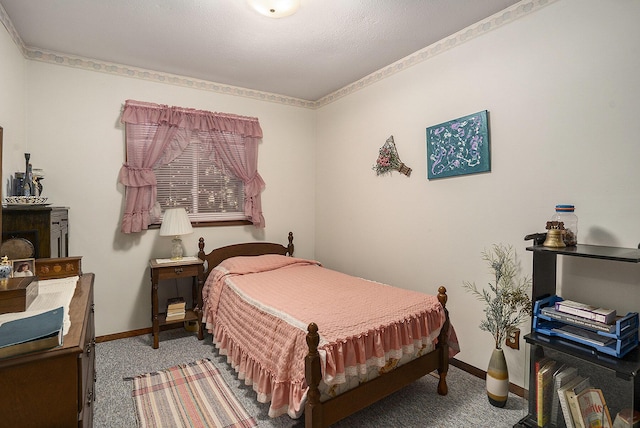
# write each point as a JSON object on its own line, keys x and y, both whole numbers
{"x": 185, "y": 268}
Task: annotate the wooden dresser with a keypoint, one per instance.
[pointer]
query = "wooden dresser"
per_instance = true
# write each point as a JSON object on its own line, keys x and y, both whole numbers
{"x": 54, "y": 388}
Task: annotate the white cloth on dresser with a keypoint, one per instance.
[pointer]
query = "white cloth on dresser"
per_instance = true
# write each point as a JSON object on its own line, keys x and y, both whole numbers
{"x": 52, "y": 293}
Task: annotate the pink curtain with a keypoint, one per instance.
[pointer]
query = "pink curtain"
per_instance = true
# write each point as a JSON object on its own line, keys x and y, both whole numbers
{"x": 159, "y": 133}
{"x": 245, "y": 168}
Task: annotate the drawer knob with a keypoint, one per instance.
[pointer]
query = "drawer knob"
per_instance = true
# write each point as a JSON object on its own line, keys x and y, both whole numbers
{"x": 90, "y": 345}
{"x": 178, "y": 270}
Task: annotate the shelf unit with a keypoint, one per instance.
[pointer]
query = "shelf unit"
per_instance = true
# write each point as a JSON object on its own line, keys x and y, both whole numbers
{"x": 617, "y": 377}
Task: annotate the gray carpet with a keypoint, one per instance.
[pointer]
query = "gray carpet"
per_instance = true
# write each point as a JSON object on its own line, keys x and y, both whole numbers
{"x": 417, "y": 405}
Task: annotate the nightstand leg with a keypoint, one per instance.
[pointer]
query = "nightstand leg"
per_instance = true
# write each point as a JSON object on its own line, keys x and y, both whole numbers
{"x": 154, "y": 308}
{"x": 198, "y": 301}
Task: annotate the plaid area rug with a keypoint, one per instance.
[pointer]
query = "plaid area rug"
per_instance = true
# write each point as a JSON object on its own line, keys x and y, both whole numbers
{"x": 187, "y": 395}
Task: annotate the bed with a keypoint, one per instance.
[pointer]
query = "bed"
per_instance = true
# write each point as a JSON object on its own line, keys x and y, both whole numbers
{"x": 360, "y": 367}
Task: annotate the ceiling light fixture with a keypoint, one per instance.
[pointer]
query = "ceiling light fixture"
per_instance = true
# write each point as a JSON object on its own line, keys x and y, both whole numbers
{"x": 275, "y": 8}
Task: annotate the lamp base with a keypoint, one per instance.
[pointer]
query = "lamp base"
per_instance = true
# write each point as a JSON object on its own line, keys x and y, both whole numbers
{"x": 176, "y": 249}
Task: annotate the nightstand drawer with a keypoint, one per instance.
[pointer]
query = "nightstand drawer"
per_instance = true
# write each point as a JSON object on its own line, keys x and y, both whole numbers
{"x": 170, "y": 272}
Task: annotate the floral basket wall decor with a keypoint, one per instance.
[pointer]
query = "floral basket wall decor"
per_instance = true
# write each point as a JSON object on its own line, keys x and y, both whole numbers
{"x": 388, "y": 160}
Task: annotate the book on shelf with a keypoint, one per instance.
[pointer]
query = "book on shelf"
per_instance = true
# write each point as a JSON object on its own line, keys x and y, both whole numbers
{"x": 537, "y": 366}
{"x": 544, "y": 389}
{"x": 564, "y": 404}
{"x": 561, "y": 377}
{"x": 607, "y": 316}
{"x": 176, "y": 309}
{"x": 32, "y": 333}
{"x": 580, "y": 321}
{"x": 627, "y": 418}
{"x": 584, "y": 334}
{"x": 571, "y": 395}
{"x": 593, "y": 408}
{"x": 175, "y": 303}
{"x": 176, "y": 316}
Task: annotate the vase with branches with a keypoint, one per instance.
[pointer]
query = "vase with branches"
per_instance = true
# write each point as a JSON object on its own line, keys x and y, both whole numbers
{"x": 507, "y": 305}
{"x": 507, "y": 302}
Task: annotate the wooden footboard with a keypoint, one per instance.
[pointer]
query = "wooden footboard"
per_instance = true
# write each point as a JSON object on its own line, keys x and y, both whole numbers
{"x": 322, "y": 414}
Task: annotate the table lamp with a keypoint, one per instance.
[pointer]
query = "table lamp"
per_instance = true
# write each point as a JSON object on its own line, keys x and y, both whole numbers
{"x": 175, "y": 222}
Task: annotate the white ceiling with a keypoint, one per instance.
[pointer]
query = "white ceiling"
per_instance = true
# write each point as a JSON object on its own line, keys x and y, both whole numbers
{"x": 325, "y": 46}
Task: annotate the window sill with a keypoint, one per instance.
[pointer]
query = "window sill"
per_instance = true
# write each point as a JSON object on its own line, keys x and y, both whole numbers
{"x": 211, "y": 223}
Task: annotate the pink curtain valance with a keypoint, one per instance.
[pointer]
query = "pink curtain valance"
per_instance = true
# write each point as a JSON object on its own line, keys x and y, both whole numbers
{"x": 137, "y": 112}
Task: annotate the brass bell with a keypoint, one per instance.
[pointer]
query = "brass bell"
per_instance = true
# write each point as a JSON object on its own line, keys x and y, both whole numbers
{"x": 554, "y": 239}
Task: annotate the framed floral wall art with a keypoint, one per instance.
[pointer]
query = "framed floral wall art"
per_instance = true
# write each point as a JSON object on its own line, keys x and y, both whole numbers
{"x": 459, "y": 146}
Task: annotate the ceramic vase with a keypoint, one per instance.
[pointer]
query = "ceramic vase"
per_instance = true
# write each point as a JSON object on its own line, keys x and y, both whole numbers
{"x": 497, "y": 379}
{"x": 5, "y": 269}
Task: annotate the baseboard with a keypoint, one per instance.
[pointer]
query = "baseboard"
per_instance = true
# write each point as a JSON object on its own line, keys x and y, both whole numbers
{"x": 133, "y": 333}
{"x": 515, "y": 389}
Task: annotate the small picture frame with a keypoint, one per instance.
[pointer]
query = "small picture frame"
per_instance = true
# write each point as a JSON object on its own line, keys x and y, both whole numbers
{"x": 23, "y": 267}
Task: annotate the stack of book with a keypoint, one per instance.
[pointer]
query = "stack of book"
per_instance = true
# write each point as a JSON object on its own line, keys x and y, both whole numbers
{"x": 564, "y": 395}
{"x": 176, "y": 309}
{"x": 588, "y": 312}
{"x": 595, "y": 327}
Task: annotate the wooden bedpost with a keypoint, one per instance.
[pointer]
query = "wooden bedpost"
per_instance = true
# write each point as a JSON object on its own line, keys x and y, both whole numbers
{"x": 290, "y": 246}
{"x": 443, "y": 344}
{"x": 313, "y": 376}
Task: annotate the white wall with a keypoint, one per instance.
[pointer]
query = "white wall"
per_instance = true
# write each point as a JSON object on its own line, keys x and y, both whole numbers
{"x": 75, "y": 135}
{"x": 12, "y": 100}
{"x": 562, "y": 89}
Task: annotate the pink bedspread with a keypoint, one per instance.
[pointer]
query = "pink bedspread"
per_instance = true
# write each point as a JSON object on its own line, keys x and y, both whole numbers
{"x": 258, "y": 310}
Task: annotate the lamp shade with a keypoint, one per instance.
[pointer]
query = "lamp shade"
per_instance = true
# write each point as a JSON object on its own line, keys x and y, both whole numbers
{"x": 175, "y": 222}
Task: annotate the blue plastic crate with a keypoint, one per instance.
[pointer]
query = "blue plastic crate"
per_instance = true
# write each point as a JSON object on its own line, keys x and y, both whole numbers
{"x": 625, "y": 337}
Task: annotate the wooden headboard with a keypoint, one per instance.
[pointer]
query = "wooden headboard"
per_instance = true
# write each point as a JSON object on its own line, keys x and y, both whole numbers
{"x": 215, "y": 257}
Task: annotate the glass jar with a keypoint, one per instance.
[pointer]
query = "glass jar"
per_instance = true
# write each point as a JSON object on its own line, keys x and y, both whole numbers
{"x": 565, "y": 214}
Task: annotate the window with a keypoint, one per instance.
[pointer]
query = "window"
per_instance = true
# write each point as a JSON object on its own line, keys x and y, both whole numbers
{"x": 201, "y": 184}
{"x": 203, "y": 161}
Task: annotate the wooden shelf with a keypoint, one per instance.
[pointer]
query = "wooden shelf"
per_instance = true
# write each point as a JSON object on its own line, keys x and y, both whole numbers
{"x": 190, "y": 315}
